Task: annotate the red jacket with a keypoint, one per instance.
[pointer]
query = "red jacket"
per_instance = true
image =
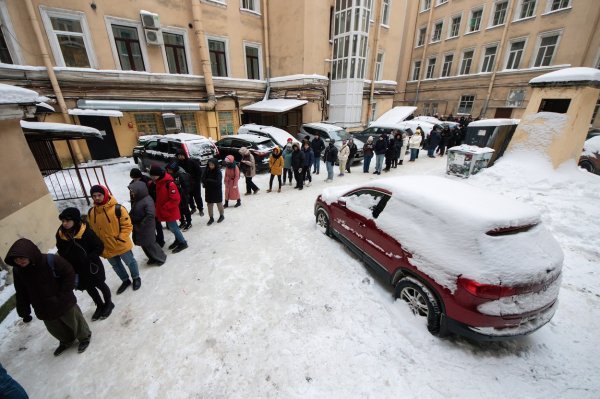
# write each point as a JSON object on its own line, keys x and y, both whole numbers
{"x": 167, "y": 199}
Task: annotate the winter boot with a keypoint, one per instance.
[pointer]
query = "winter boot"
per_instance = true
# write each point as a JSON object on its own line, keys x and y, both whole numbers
{"x": 61, "y": 348}
{"x": 83, "y": 345}
{"x": 98, "y": 313}
{"x": 201, "y": 211}
{"x": 221, "y": 218}
{"x": 180, "y": 248}
{"x": 123, "y": 286}
{"x": 175, "y": 243}
{"x": 226, "y": 204}
{"x": 137, "y": 283}
{"x": 238, "y": 203}
{"x": 187, "y": 227}
{"x": 210, "y": 221}
{"x": 107, "y": 310}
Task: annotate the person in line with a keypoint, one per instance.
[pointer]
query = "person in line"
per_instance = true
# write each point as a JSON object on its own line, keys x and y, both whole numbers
{"x": 380, "y": 149}
{"x": 81, "y": 247}
{"x": 143, "y": 215}
{"x": 111, "y": 223}
{"x": 275, "y": 168}
{"x": 309, "y": 159}
{"x": 9, "y": 387}
{"x": 136, "y": 175}
{"x": 390, "y": 154}
{"x": 46, "y": 282}
{"x": 287, "y": 161}
{"x": 249, "y": 170}
{"x": 423, "y": 141}
{"x": 414, "y": 144}
{"x": 213, "y": 189}
{"x": 317, "y": 145}
{"x": 404, "y": 140}
{"x": 194, "y": 170}
{"x": 353, "y": 150}
{"x": 434, "y": 140}
{"x": 444, "y": 141}
{"x": 184, "y": 185}
{"x": 232, "y": 178}
{"x": 167, "y": 205}
{"x": 368, "y": 152}
{"x": 398, "y": 143}
{"x": 330, "y": 156}
{"x": 343, "y": 155}
{"x": 297, "y": 165}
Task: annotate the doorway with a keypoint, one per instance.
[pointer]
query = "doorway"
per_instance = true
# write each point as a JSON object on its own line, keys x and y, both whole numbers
{"x": 101, "y": 149}
{"x": 503, "y": 113}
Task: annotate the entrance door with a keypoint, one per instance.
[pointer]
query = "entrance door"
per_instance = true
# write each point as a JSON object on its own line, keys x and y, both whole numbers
{"x": 101, "y": 149}
{"x": 503, "y": 113}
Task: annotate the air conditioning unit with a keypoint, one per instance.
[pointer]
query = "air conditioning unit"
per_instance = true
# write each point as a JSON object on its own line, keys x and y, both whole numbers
{"x": 153, "y": 37}
{"x": 172, "y": 122}
{"x": 150, "y": 20}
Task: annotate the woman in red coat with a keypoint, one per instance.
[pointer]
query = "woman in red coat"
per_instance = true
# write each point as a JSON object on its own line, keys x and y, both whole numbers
{"x": 232, "y": 177}
{"x": 167, "y": 205}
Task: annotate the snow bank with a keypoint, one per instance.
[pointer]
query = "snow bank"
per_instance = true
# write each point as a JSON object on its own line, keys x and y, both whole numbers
{"x": 568, "y": 75}
{"x": 592, "y": 146}
{"x": 541, "y": 128}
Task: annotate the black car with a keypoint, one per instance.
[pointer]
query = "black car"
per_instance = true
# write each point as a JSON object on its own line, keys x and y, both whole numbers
{"x": 374, "y": 132}
{"x": 160, "y": 150}
{"x": 259, "y": 146}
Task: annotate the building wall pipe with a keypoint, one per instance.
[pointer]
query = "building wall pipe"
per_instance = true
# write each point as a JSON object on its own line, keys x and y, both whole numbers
{"x": 267, "y": 49}
{"x": 204, "y": 57}
{"x": 373, "y": 60}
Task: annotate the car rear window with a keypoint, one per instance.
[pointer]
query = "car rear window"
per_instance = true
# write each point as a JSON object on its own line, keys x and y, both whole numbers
{"x": 265, "y": 145}
{"x": 199, "y": 149}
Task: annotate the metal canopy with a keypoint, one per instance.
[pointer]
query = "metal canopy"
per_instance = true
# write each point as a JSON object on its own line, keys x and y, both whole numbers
{"x": 58, "y": 131}
{"x": 137, "y": 105}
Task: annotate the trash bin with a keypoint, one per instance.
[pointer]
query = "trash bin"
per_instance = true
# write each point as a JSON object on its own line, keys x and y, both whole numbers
{"x": 466, "y": 160}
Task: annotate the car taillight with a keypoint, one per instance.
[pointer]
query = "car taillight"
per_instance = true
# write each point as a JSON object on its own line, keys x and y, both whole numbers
{"x": 187, "y": 153}
{"x": 489, "y": 291}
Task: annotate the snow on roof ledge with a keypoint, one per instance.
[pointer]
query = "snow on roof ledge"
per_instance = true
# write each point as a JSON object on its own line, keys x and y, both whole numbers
{"x": 569, "y": 77}
{"x": 96, "y": 112}
{"x": 297, "y": 77}
{"x": 59, "y": 127}
{"x": 275, "y": 105}
{"x": 18, "y": 95}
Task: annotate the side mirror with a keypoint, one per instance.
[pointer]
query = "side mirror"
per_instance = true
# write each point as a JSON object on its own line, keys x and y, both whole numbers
{"x": 342, "y": 203}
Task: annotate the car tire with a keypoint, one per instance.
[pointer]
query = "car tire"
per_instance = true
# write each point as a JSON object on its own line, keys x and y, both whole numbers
{"x": 421, "y": 302}
{"x": 322, "y": 220}
{"x": 587, "y": 166}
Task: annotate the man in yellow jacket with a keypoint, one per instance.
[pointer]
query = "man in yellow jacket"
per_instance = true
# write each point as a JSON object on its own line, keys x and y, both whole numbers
{"x": 110, "y": 221}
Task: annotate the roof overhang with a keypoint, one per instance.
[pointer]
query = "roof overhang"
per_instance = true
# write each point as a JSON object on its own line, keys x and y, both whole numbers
{"x": 48, "y": 131}
{"x": 118, "y": 105}
{"x": 396, "y": 115}
{"x": 278, "y": 105}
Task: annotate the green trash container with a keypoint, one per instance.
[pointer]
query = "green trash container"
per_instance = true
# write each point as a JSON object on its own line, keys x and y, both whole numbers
{"x": 466, "y": 160}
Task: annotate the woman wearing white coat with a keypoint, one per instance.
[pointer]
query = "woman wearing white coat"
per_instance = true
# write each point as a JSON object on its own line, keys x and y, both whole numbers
{"x": 343, "y": 157}
{"x": 414, "y": 143}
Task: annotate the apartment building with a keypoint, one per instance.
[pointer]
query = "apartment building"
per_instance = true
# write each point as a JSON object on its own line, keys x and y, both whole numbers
{"x": 476, "y": 57}
{"x": 131, "y": 68}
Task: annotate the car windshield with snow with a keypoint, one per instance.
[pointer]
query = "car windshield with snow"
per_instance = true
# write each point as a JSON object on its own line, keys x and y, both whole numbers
{"x": 473, "y": 263}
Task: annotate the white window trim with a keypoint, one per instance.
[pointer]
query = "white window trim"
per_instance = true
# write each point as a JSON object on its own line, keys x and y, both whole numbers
{"x": 518, "y": 11}
{"x": 491, "y": 20}
{"x": 435, "y": 57}
{"x": 381, "y": 64}
{"x": 468, "y": 25}
{"x": 444, "y": 61}
{"x": 482, "y": 56}
{"x": 433, "y": 31}
{"x": 186, "y": 45}
{"x": 440, "y": 2}
{"x": 255, "y": 12}
{"x": 549, "y": 6}
{"x": 412, "y": 71}
{"x": 109, "y": 21}
{"x": 507, "y": 53}
{"x": 218, "y": 3}
{"x": 46, "y": 13}
{"x": 421, "y": 3}
{"x": 450, "y": 25}
{"x": 227, "y": 54}
{"x": 13, "y": 46}
{"x": 540, "y": 36}
{"x": 260, "y": 58}
{"x": 387, "y": 26}
{"x": 462, "y": 58}
{"x": 459, "y": 101}
{"x": 417, "y": 45}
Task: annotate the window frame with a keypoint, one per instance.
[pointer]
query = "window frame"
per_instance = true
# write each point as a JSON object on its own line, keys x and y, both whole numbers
{"x": 422, "y": 5}
{"x": 414, "y": 68}
{"x": 494, "y": 57}
{"x": 460, "y": 100}
{"x": 418, "y": 43}
{"x": 109, "y": 21}
{"x": 549, "y": 4}
{"x": 13, "y": 47}
{"x": 493, "y": 13}
{"x": 462, "y": 59}
{"x": 433, "y": 31}
{"x": 508, "y": 52}
{"x": 47, "y": 13}
{"x": 538, "y": 44}
{"x": 256, "y": 5}
{"x": 429, "y": 63}
{"x": 227, "y": 57}
{"x": 468, "y": 25}
{"x": 186, "y": 45}
{"x": 449, "y": 71}
{"x": 440, "y": 2}
{"x": 519, "y": 9}
{"x": 260, "y": 58}
{"x": 459, "y": 15}
{"x": 385, "y": 13}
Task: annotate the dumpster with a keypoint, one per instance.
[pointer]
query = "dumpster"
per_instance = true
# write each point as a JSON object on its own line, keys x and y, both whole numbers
{"x": 466, "y": 160}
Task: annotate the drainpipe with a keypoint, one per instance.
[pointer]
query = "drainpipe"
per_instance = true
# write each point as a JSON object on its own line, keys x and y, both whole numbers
{"x": 498, "y": 59}
{"x": 423, "y": 66}
{"x": 204, "y": 58}
{"x": 374, "y": 59}
{"x": 267, "y": 52}
{"x": 78, "y": 157}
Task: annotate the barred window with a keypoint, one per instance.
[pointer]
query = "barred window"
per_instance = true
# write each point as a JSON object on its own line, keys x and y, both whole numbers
{"x": 225, "y": 123}
{"x": 188, "y": 122}
{"x": 148, "y": 124}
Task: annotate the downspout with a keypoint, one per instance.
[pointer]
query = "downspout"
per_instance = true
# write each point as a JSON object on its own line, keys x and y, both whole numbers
{"x": 498, "y": 60}
{"x": 267, "y": 52}
{"x": 53, "y": 81}
{"x": 423, "y": 66}
{"x": 204, "y": 58}
{"x": 374, "y": 59}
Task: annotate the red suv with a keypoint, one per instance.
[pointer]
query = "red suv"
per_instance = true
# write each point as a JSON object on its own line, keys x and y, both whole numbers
{"x": 471, "y": 262}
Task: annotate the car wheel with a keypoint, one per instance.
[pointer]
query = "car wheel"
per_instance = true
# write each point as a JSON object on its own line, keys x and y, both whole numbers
{"x": 421, "y": 301}
{"x": 587, "y": 166}
{"x": 322, "y": 220}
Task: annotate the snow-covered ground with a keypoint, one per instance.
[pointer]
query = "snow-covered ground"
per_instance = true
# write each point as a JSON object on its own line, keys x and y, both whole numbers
{"x": 264, "y": 306}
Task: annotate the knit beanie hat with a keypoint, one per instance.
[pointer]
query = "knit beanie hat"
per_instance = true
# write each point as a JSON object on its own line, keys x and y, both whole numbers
{"x": 135, "y": 173}
{"x": 70, "y": 214}
{"x": 173, "y": 166}
{"x": 156, "y": 170}
{"x": 98, "y": 189}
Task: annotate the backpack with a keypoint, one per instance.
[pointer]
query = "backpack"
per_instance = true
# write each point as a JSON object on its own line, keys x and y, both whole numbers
{"x": 50, "y": 259}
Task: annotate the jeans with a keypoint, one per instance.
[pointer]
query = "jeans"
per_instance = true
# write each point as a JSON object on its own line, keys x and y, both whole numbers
{"x": 379, "y": 162}
{"x": 317, "y": 164}
{"x": 367, "y": 163}
{"x": 172, "y": 225}
{"x": 413, "y": 153}
{"x": 306, "y": 174}
{"x": 329, "y": 166}
{"x": 129, "y": 260}
{"x": 10, "y": 388}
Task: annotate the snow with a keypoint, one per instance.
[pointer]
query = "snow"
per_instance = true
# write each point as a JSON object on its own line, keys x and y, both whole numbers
{"x": 429, "y": 119}
{"x": 541, "y": 130}
{"x": 297, "y": 77}
{"x": 183, "y": 136}
{"x": 59, "y": 127}
{"x": 46, "y": 106}
{"x": 328, "y": 127}
{"x": 265, "y": 306}
{"x": 275, "y": 105}
{"x": 471, "y": 149}
{"x": 395, "y": 115}
{"x": 17, "y": 95}
{"x": 279, "y": 136}
{"x": 96, "y": 112}
{"x": 139, "y": 105}
{"x": 591, "y": 146}
{"x": 494, "y": 122}
{"x": 577, "y": 74}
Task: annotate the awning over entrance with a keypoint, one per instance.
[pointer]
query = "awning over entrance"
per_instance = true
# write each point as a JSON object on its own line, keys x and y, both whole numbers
{"x": 58, "y": 131}
{"x": 96, "y": 112}
{"x": 137, "y": 105}
{"x": 278, "y": 105}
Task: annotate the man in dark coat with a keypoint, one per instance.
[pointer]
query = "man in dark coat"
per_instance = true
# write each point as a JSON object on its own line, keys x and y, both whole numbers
{"x": 317, "y": 145}
{"x": 380, "y": 148}
{"x": 390, "y": 154}
{"x": 183, "y": 182}
{"x": 330, "y": 156}
{"x": 143, "y": 215}
{"x": 213, "y": 189}
{"x": 48, "y": 285}
{"x": 194, "y": 170}
{"x": 353, "y": 150}
{"x": 81, "y": 247}
{"x": 136, "y": 175}
{"x": 309, "y": 159}
{"x": 297, "y": 165}
{"x": 434, "y": 140}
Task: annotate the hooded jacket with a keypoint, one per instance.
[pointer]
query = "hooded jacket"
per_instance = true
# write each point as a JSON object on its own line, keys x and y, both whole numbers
{"x": 167, "y": 199}
{"x": 114, "y": 232}
{"x": 287, "y": 156}
{"x": 248, "y": 164}
{"x": 50, "y": 293}
{"x": 142, "y": 215}
{"x": 276, "y": 162}
{"x": 213, "y": 183}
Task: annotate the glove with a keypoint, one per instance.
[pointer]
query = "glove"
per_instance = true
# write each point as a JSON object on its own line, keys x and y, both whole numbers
{"x": 27, "y": 319}
{"x": 300, "y": 170}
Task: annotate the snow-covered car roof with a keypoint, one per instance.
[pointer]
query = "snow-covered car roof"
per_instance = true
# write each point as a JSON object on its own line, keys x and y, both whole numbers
{"x": 322, "y": 125}
{"x": 411, "y": 124}
{"x": 185, "y": 136}
{"x": 280, "y": 136}
{"x": 252, "y": 137}
{"x": 430, "y": 119}
{"x": 396, "y": 114}
{"x": 494, "y": 122}
{"x": 591, "y": 146}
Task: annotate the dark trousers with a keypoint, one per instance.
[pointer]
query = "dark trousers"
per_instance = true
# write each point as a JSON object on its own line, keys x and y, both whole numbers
{"x": 184, "y": 209}
{"x": 250, "y": 186}
{"x": 69, "y": 327}
{"x": 287, "y": 173}
{"x": 271, "y": 181}
{"x": 196, "y": 196}
{"x": 160, "y": 237}
{"x": 298, "y": 177}
{"x": 154, "y": 252}
{"x": 306, "y": 174}
{"x": 93, "y": 293}
{"x": 9, "y": 388}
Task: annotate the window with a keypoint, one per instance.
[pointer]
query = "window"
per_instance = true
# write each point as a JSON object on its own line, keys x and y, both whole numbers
{"x": 128, "y": 47}
{"x": 9, "y": 48}
{"x": 69, "y": 37}
{"x": 147, "y": 124}
{"x": 5, "y": 56}
{"x": 218, "y": 57}
{"x": 556, "y": 5}
{"x": 175, "y": 53}
{"x": 425, "y": 5}
{"x": 188, "y": 122}
{"x": 437, "y": 31}
{"x": 440, "y": 2}
{"x": 447, "y": 67}
{"x": 416, "y": 70}
{"x": 546, "y": 50}
{"x": 385, "y": 17}
{"x": 527, "y": 9}
{"x": 251, "y": 5}
{"x": 430, "y": 68}
{"x": 466, "y": 104}
{"x": 421, "y": 40}
{"x": 434, "y": 108}
{"x": 489, "y": 58}
{"x": 558, "y": 105}
{"x": 515, "y": 98}
{"x": 475, "y": 20}
{"x": 499, "y": 15}
{"x": 455, "y": 26}
{"x": 515, "y": 53}
{"x": 252, "y": 61}
{"x": 367, "y": 203}
{"x": 373, "y": 112}
{"x": 225, "y": 123}
{"x": 465, "y": 65}
{"x": 379, "y": 66}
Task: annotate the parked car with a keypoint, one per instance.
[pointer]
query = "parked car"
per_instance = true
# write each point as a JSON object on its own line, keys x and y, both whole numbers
{"x": 161, "y": 149}
{"x": 472, "y": 262}
{"x": 592, "y": 132}
{"x": 328, "y": 132}
{"x": 590, "y": 157}
{"x": 278, "y": 136}
{"x": 259, "y": 146}
{"x": 375, "y": 132}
